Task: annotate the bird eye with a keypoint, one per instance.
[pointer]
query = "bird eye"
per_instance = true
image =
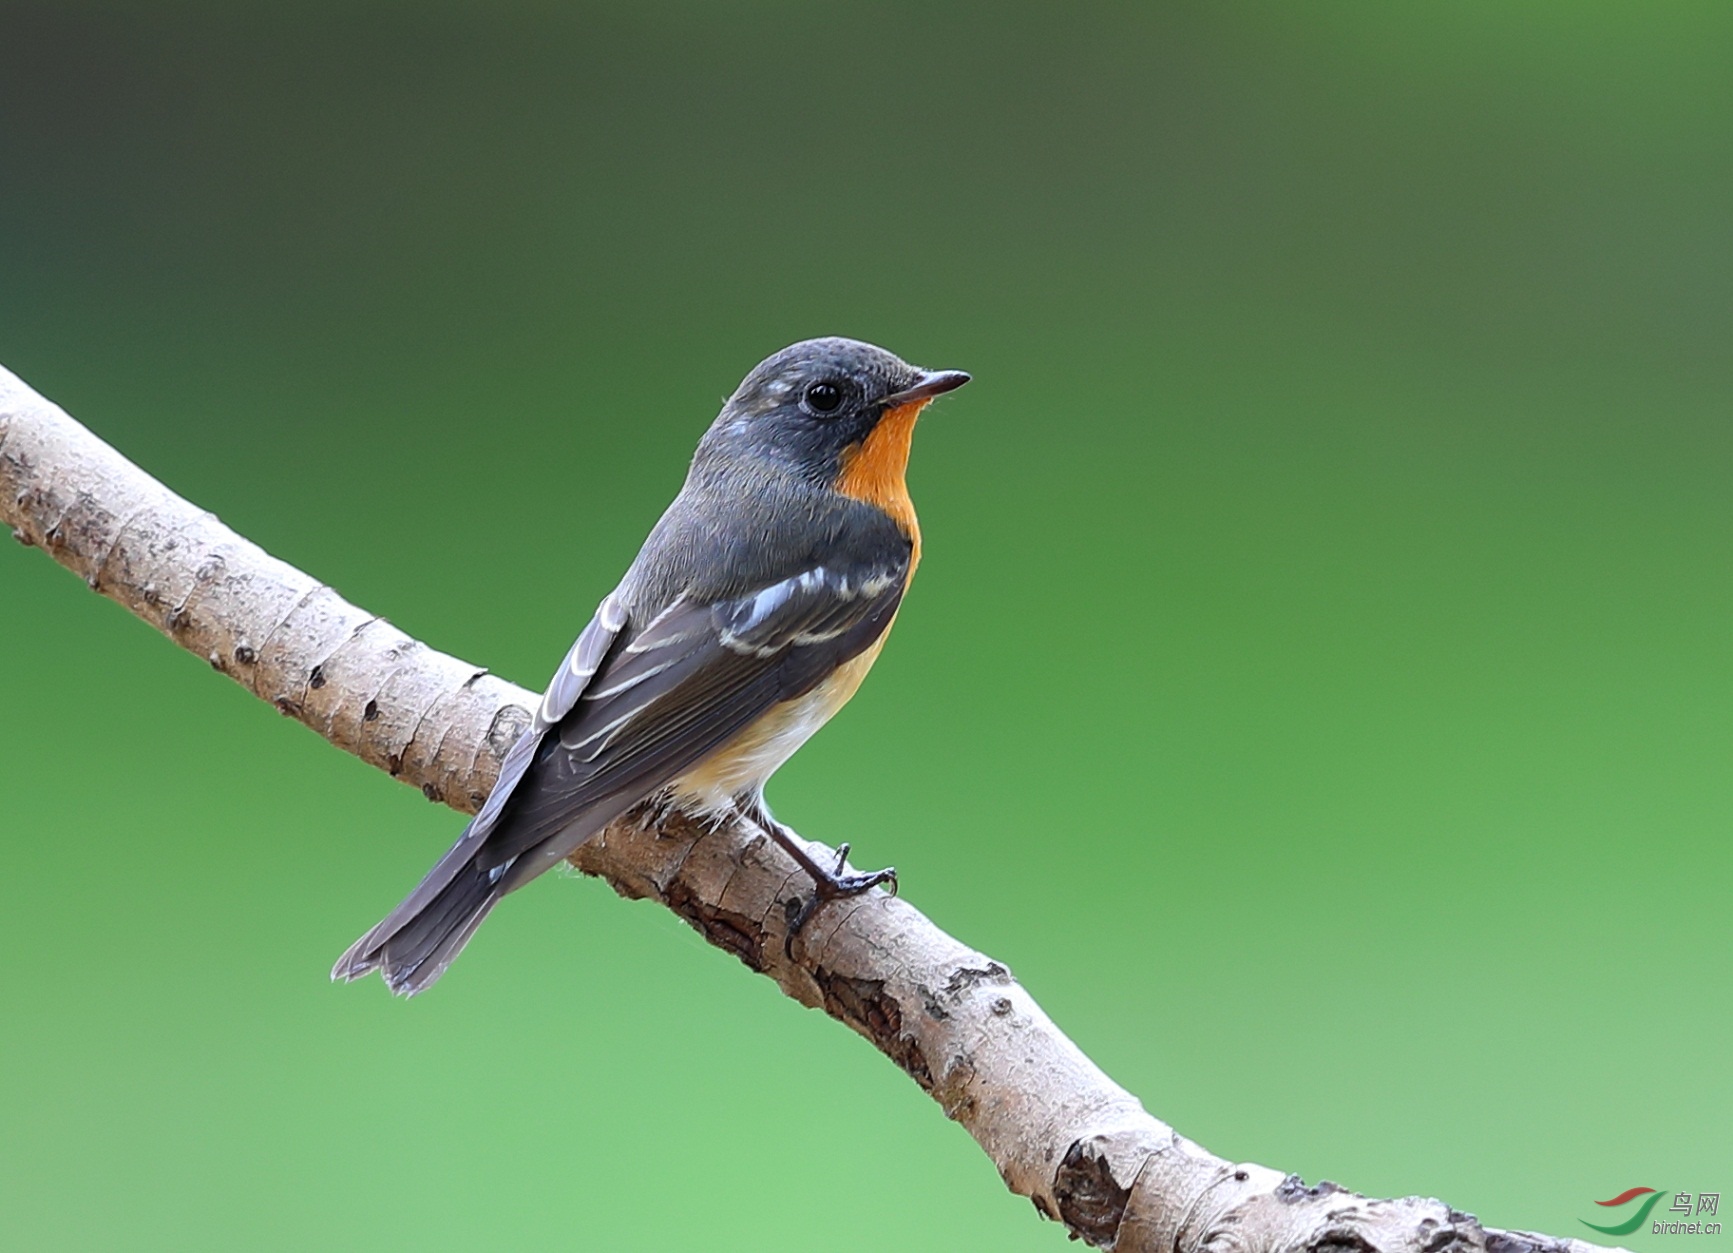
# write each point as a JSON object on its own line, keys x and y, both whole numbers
{"x": 823, "y": 398}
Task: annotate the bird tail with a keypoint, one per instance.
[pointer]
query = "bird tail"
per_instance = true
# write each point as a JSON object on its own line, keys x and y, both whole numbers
{"x": 421, "y": 937}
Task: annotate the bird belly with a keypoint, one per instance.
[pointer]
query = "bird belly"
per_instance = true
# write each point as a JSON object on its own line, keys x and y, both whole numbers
{"x": 743, "y": 765}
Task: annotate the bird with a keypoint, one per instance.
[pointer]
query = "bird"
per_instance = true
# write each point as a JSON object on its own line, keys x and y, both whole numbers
{"x": 749, "y": 617}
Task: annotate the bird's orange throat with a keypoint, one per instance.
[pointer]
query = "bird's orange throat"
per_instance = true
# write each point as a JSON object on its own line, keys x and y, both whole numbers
{"x": 874, "y": 471}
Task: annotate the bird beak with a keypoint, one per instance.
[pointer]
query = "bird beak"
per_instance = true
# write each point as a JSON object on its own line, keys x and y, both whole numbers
{"x": 931, "y": 383}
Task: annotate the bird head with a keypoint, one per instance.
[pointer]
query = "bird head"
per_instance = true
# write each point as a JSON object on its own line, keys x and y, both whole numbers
{"x": 813, "y": 407}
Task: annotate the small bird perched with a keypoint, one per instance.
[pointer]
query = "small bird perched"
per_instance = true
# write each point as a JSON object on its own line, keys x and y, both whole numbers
{"x": 750, "y": 616}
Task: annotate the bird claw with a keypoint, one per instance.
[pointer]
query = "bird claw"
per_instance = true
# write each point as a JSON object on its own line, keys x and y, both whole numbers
{"x": 829, "y": 883}
{"x": 854, "y": 884}
{"x": 836, "y": 886}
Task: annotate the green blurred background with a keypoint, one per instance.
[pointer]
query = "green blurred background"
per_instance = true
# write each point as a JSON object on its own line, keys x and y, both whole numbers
{"x": 1317, "y": 688}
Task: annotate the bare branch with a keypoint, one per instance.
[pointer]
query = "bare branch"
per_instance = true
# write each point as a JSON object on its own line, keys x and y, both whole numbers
{"x": 1060, "y": 1131}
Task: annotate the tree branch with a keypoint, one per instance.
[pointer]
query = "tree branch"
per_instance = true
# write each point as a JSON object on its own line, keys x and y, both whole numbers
{"x": 1060, "y": 1131}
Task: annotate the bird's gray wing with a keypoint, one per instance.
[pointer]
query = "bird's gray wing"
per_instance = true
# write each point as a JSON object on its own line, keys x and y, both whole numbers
{"x": 668, "y": 695}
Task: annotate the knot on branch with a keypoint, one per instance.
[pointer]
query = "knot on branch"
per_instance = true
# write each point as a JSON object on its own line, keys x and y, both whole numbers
{"x": 1091, "y": 1201}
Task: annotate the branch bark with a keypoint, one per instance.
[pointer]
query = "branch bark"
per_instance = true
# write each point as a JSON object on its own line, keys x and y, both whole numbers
{"x": 1060, "y": 1131}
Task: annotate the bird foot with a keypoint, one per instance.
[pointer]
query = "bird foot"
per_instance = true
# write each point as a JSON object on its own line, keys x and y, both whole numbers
{"x": 836, "y": 886}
